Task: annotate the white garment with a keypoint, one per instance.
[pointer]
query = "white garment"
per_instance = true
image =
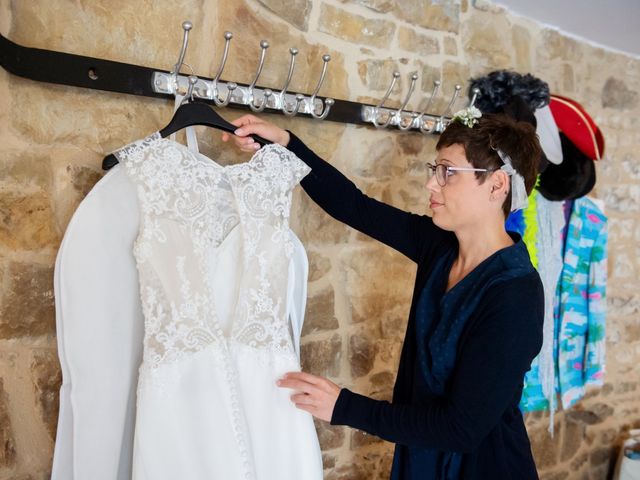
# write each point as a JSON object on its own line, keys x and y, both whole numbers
{"x": 100, "y": 331}
{"x": 213, "y": 255}
{"x": 549, "y": 245}
{"x": 549, "y": 135}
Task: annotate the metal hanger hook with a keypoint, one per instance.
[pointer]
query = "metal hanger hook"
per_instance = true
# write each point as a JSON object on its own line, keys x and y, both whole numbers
{"x": 328, "y": 102}
{"x": 421, "y": 121}
{"x": 299, "y": 97}
{"x": 401, "y": 125}
{"x": 376, "y": 111}
{"x": 186, "y": 27}
{"x": 267, "y": 93}
{"x": 230, "y": 85}
{"x": 447, "y": 111}
{"x": 474, "y": 97}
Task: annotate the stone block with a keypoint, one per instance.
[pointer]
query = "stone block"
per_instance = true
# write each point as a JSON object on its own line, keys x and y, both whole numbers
{"x": 522, "y": 48}
{"x": 572, "y": 439}
{"x": 83, "y": 178}
{"x": 412, "y": 41}
{"x": 430, "y": 14}
{"x": 376, "y": 74}
{"x": 487, "y": 41}
{"x": 378, "y": 284}
{"x": 319, "y": 265}
{"x": 7, "y": 442}
{"x": 47, "y": 378}
{"x": 361, "y": 355}
{"x": 322, "y": 357}
{"x": 616, "y": 95}
{"x": 315, "y": 226}
{"x": 545, "y": 448}
{"x": 450, "y": 46}
{"x": 362, "y": 439}
{"x": 295, "y": 12}
{"x": 29, "y": 170}
{"x": 329, "y": 436}
{"x": 377, "y": 164}
{"x": 27, "y": 221}
{"x": 320, "y": 315}
{"x": 454, "y": 73}
{"x": 381, "y": 385}
{"x": 602, "y": 456}
{"x": 328, "y": 461}
{"x": 554, "y": 45}
{"x": 355, "y": 28}
{"x": 27, "y": 307}
{"x": 568, "y": 78}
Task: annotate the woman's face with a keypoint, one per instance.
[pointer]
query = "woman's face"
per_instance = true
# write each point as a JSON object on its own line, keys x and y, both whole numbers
{"x": 462, "y": 201}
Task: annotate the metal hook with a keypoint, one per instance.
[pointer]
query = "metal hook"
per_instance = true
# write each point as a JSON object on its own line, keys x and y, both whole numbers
{"x": 186, "y": 26}
{"x": 451, "y": 102}
{"x": 192, "y": 83}
{"x": 267, "y": 93}
{"x": 421, "y": 123}
{"x": 398, "y": 113}
{"x": 476, "y": 93}
{"x": 376, "y": 111}
{"x": 447, "y": 111}
{"x": 231, "y": 86}
{"x": 299, "y": 97}
{"x": 328, "y": 102}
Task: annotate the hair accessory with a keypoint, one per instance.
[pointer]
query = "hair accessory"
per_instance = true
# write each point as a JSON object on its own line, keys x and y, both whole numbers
{"x": 519, "y": 197}
{"x": 467, "y": 116}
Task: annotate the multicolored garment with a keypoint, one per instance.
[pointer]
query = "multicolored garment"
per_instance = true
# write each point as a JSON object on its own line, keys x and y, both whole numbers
{"x": 580, "y": 311}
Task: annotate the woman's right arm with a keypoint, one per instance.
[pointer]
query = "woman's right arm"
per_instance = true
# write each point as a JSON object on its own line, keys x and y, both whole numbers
{"x": 339, "y": 197}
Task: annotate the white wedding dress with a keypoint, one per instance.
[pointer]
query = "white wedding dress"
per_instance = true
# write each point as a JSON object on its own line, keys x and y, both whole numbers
{"x": 100, "y": 334}
{"x": 213, "y": 255}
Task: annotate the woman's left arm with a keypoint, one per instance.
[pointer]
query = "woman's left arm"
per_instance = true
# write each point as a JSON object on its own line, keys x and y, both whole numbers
{"x": 489, "y": 371}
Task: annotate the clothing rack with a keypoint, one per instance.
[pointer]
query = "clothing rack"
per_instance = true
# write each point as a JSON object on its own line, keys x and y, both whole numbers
{"x": 99, "y": 74}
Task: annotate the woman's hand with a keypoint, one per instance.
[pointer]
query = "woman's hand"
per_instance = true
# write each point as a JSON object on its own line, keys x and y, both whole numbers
{"x": 249, "y": 124}
{"x": 316, "y": 395}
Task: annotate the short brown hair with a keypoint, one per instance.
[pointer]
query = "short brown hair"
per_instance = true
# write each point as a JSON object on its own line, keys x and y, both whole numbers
{"x": 516, "y": 139}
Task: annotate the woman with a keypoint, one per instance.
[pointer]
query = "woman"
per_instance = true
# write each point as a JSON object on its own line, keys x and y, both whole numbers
{"x": 475, "y": 322}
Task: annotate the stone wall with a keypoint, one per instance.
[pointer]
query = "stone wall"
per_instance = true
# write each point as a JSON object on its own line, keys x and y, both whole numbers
{"x": 52, "y": 140}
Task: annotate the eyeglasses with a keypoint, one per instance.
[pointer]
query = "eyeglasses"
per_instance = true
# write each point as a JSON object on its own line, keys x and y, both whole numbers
{"x": 442, "y": 171}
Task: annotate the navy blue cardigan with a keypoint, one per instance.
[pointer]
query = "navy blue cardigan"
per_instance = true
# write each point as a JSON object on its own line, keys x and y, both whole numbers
{"x": 478, "y": 416}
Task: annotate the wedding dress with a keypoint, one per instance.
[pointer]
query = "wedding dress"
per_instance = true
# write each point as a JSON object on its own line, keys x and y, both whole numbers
{"x": 100, "y": 336}
{"x": 213, "y": 255}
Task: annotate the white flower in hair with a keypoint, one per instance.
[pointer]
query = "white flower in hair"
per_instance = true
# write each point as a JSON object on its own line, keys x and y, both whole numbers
{"x": 467, "y": 116}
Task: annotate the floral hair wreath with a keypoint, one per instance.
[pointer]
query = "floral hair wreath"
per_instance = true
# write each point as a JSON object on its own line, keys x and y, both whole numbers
{"x": 467, "y": 116}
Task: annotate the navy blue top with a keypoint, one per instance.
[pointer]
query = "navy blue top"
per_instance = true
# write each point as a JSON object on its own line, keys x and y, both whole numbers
{"x": 455, "y": 411}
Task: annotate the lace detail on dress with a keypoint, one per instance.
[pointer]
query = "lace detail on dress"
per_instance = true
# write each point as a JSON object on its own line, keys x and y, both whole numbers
{"x": 189, "y": 205}
{"x": 134, "y": 149}
{"x": 263, "y": 194}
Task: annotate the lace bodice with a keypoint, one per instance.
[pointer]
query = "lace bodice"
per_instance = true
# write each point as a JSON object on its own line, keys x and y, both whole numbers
{"x": 192, "y": 210}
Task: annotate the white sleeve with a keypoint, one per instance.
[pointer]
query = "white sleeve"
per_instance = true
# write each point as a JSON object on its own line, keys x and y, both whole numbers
{"x": 99, "y": 326}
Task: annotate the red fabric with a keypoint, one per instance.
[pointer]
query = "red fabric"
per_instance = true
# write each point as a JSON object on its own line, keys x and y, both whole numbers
{"x": 578, "y": 126}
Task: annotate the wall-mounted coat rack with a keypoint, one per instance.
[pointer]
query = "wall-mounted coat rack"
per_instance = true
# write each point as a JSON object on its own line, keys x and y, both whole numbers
{"x": 99, "y": 74}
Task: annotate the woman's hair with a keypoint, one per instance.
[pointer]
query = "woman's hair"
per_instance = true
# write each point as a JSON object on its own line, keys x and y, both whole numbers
{"x": 497, "y": 131}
